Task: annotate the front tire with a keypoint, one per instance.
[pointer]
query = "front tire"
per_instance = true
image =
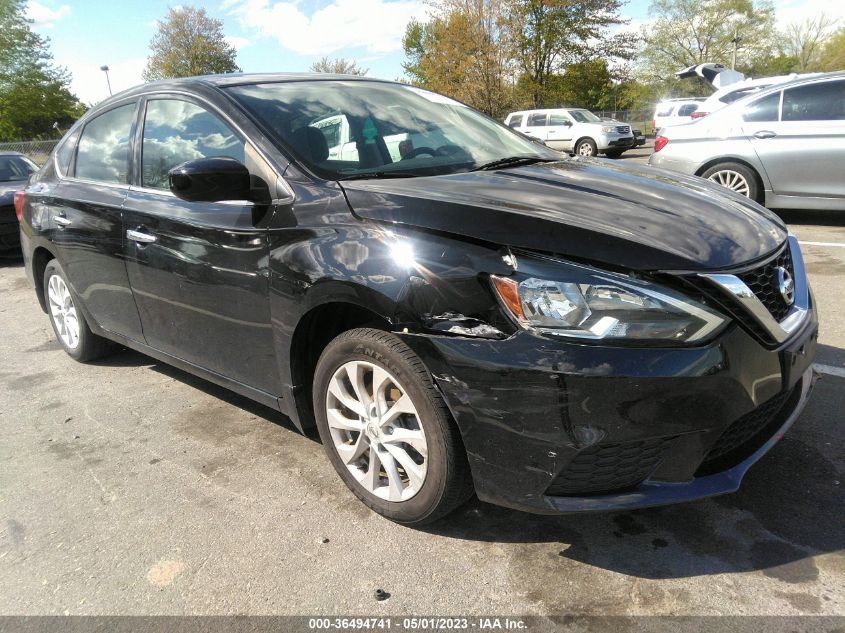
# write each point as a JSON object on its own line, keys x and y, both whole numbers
{"x": 586, "y": 147}
{"x": 736, "y": 177}
{"x": 68, "y": 322}
{"x": 386, "y": 429}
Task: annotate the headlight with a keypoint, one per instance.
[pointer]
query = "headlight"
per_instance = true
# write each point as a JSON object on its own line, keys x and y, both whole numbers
{"x": 589, "y": 304}
{"x": 607, "y": 129}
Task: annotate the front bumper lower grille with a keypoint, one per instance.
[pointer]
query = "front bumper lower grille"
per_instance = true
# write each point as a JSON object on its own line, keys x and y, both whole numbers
{"x": 609, "y": 467}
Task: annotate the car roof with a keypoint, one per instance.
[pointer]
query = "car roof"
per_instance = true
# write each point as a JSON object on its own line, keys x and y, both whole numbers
{"x": 776, "y": 87}
{"x": 546, "y": 110}
{"x": 762, "y": 82}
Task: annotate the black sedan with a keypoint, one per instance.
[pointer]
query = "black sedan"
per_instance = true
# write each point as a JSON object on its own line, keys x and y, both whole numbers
{"x": 455, "y": 307}
{"x": 15, "y": 169}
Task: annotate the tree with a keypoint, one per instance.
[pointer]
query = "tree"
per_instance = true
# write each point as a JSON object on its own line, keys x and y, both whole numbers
{"x": 804, "y": 40}
{"x": 833, "y": 52}
{"x": 189, "y": 43}
{"x": 689, "y": 32}
{"x": 340, "y": 66}
{"x": 34, "y": 93}
{"x": 549, "y": 35}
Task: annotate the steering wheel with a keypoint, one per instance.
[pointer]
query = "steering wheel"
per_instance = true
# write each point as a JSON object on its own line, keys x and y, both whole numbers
{"x": 419, "y": 150}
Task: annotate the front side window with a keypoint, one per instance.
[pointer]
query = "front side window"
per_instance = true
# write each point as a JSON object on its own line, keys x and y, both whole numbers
{"x": 14, "y": 168}
{"x": 558, "y": 119}
{"x": 815, "y": 102}
{"x": 103, "y": 153}
{"x": 537, "y": 120}
{"x": 763, "y": 110}
{"x": 385, "y": 127}
{"x": 177, "y": 131}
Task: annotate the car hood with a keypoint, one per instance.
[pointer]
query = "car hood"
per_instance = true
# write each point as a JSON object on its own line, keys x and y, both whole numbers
{"x": 594, "y": 210}
{"x": 8, "y": 189}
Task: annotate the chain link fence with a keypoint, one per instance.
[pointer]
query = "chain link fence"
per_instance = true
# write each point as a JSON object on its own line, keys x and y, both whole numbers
{"x": 640, "y": 119}
{"x": 37, "y": 151}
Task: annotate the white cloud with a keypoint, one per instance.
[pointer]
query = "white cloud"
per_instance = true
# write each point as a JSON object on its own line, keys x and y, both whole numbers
{"x": 374, "y": 25}
{"x": 237, "y": 42}
{"x": 43, "y": 16}
{"x": 89, "y": 82}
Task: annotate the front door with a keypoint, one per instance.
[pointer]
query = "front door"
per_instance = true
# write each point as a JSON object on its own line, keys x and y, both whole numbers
{"x": 559, "y": 134}
{"x": 803, "y": 152}
{"x": 199, "y": 271}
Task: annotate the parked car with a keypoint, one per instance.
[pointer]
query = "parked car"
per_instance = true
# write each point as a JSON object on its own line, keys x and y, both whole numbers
{"x": 573, "y": 130}
{"x": 15, "y": 169}
{"x": 783, "y": 146}
{"x": 674, "y": 112}
{"x": 639, "y": 137}
{"x": 735, "y": 91}
{"x": 558, "y": 335}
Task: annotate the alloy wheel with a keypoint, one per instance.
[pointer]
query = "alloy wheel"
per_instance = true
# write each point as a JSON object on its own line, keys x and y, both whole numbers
{"x": 63, "y": 311}
{"x": 732, "y": 180}
{"x": 376, "y": 430}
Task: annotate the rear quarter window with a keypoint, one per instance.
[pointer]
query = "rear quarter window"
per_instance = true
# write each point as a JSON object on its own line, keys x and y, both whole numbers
{"x": 103, "y": 153}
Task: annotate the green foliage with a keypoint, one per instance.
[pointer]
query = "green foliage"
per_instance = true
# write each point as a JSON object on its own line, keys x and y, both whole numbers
{"x": 34, "y": 93}
{"x": 189, "y": 43}
{"x": 339, "y": 66}
{"x": 833, "y": 52}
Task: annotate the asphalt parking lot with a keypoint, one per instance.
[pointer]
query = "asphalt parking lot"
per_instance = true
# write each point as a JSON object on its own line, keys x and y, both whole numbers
{"x": 129, "y": 487}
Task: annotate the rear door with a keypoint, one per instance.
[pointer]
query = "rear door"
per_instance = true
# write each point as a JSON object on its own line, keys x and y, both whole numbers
{"x": 86, "y": 223}
{"x": 802, "y": 149}
{"x": 199, "y": 271}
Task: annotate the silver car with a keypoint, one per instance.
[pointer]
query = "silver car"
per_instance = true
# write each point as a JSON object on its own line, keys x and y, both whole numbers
{"x": 783, "y": 146}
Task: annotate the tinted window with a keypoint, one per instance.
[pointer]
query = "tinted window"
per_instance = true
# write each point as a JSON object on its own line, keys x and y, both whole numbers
{"x": 665, "y": 110}
{"x": 738, "y": 94}
{"x": 558, "y": 119}
{"x": 537, "y": 120}
{"x": 515, "y": 120}
{"x": 177, "y": 131}
{"x": 103, "y": 152}
{"x": 765, "y": 109}
{"x": 387, "y": 127}
{"x": 687, "y": 109}
{"x": 14, "y": 168}
{"x": 64, "y": 153}
{"x": 815, "y": 102}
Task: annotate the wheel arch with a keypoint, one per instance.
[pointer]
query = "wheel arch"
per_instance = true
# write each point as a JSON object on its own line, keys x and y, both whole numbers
{"x": 41, "y": 256}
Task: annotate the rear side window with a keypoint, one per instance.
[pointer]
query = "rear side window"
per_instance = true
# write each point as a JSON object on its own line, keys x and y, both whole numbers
{"x": 514, "y": 120}
{"x": 687, "y": 109}
{"x": 738, "y": 94}
{"x": 103, "y": 153}
{"x": 64, "y": 153}
{"x": 815, "y": 102}
{"x": 665, "y": 110}
{"x": 176, "y": 131}
{"x": 763, "y": 110}
{"x": 537, "y": 120}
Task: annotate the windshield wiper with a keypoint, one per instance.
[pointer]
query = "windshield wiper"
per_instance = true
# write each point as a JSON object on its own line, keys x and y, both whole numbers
{"x": 380, "y": 174}
{"x": 512, "y": 161}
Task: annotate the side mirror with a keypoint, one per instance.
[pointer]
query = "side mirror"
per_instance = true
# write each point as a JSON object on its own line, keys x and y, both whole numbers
{"x": 214, "y": 179}
{"x": 568, "y": 123}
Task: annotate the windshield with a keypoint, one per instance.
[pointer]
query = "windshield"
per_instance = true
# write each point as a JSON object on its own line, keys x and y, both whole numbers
{"x": 584, "y": 116}
{"x": 343, "y": 129}
{"x": 14, "y": 168}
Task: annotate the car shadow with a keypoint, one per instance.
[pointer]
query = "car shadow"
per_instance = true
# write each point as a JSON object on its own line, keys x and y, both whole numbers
{"x": 11, "y": 261}
{"x": 788, "y": 510}
{"x": 131, "y": 358}
{"x": 810, "y": 216}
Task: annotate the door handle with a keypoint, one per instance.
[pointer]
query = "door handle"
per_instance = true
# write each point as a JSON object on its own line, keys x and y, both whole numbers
{"x": 61, "y": 221}
{"x": 764, "y": 134}
{"x": 140, "y": 236}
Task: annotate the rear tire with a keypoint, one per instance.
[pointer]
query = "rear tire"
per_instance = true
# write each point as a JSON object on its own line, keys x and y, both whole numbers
{"x": 736, "y": 177}
{"x": 360, "y": 377}
{"x": 68, "y": 322}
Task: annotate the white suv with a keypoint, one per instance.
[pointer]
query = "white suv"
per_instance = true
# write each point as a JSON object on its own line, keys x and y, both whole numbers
{"x": 573, "y": 130}
{"x": 674, "y": 112}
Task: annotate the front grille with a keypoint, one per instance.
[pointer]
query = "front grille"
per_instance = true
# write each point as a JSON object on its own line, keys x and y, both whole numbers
{"x": 763, "y": 282}
{"x": 603, "y": 468}
{"x": 742, "y": 431}
{"x": 623, "y": 129}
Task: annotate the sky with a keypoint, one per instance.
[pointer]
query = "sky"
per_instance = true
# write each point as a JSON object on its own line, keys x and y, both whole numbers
{"x": 269, "y": 35}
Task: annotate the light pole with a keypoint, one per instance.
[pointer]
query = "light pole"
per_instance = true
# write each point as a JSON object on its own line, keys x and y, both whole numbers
{"x": 735, "y": 41}
{"x": 105, "y": 69}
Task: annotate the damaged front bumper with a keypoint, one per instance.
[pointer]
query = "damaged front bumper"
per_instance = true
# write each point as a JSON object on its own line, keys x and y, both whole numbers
{"x": 557, "y": 427}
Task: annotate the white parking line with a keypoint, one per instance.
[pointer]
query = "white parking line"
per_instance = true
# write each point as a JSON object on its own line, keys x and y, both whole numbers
{"x": 840, "y": 244}
{"x": 830, "y": 370}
